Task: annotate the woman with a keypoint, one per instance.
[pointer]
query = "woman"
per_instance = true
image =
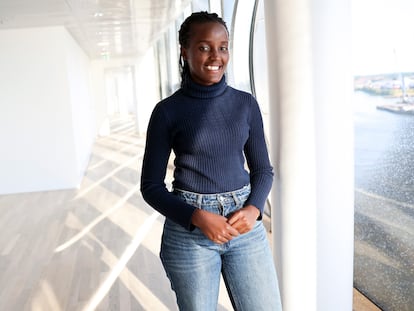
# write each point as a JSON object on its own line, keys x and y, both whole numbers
{"x": 213, "y": 215}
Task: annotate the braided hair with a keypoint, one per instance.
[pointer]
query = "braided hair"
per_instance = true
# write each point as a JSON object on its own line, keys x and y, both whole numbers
{"x": 184, "y": 36}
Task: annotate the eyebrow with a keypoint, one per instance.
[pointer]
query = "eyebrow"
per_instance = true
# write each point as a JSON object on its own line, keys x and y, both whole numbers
{"x": 208, "y": 41}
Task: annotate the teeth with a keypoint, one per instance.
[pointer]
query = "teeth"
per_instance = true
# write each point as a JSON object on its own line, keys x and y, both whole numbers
{"x": 213, "y": 67}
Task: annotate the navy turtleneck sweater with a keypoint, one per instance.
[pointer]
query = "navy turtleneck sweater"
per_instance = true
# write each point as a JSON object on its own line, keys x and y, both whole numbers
{"x": 211, "y": 130}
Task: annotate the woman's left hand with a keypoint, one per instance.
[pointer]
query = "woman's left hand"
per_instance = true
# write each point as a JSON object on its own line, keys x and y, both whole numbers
{"x": 244, "y": 219}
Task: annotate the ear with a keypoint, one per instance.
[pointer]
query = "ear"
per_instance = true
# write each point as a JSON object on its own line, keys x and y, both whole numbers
{"x": 183, "y": 53}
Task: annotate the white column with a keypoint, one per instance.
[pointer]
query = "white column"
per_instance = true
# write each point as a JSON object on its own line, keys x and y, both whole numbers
{"x": 310, "y": 81}
{"x": 292, "y": 118}
{"x": 333, "y": 87}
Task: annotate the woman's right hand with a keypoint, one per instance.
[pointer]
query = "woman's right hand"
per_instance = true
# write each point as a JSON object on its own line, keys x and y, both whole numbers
{"x": 215, "y": 227}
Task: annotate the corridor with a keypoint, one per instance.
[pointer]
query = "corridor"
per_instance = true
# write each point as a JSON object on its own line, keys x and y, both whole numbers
{"x": 92, "y": 248}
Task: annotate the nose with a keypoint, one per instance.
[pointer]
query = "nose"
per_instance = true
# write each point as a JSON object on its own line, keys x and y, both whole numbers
{"x": 214, "y": 53}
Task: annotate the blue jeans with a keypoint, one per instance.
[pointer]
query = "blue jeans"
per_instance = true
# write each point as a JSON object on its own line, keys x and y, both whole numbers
{"x": 193, "y": 263}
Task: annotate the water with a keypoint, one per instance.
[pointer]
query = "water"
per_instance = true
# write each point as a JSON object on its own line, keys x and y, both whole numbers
{"x": 384, "y": 204}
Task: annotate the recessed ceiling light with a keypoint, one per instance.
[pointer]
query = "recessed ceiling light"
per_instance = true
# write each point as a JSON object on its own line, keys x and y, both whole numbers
{"x": 98, "y": 14}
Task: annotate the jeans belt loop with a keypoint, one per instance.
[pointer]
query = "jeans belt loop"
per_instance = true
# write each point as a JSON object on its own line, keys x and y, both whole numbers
{"x": 236, "y": 198}
{"x": 199, "y": 200}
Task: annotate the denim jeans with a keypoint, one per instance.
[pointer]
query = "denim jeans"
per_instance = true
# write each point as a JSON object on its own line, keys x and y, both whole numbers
{"x": 193, "y": 263}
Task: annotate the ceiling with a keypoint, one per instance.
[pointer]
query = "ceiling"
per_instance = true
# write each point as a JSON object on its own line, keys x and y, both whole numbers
{"x": 103, "y": 28}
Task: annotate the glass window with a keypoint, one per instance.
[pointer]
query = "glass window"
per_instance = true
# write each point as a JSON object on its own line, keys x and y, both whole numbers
{"x": 259, "y": 74}
{"x": 227, "y": 14}
{"x": 215, "y": 7}
{"x": 173, "y": 56}
{"x": 162, "y": 67}
{"x": 239, "y": 76}
{"x": 384, "y": 153}
{"x": 200, "y": 5}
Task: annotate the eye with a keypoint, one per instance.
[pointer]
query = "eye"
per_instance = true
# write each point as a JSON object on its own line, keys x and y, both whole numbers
{"x": 204, "y": 48}
{"x": 224, "y": 48}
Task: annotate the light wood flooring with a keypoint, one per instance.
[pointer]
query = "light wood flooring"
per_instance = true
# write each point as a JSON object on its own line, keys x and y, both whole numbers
{"x": 92, "y": 248}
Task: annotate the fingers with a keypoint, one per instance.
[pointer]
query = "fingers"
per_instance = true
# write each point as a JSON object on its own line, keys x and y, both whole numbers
{"x": 214, "y": 226}
{"x": 238, "y": 220}
{"x": 232, "y": 231}
{"x": 244, "y": 219}
{"x": 219, "y": 229}
{"x": 226, "y": 234}
{"x": 233, "y": 218}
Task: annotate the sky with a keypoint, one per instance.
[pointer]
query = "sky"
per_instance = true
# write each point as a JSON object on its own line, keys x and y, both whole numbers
{"x": 382, "y": 36}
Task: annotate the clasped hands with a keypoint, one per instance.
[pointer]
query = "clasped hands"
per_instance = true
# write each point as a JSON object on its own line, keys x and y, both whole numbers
{"x": 220, "y": 229}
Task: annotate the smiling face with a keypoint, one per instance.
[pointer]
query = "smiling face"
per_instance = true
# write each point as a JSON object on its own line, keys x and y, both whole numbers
{"x": 207, "y": 52}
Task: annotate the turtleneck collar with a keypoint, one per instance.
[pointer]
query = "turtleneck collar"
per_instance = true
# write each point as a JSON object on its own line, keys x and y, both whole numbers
{"x": 194, "y": 89}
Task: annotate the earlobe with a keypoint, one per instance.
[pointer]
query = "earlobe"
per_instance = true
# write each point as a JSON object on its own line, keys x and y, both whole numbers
{"x": 183, "y": 54}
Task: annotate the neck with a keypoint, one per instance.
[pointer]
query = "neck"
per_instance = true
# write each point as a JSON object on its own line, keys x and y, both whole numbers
{"x": 194, "y": 89}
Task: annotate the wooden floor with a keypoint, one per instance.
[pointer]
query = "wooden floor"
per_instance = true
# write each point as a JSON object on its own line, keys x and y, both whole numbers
{"x": 362, "y": 303}
{"x": 92, "y": 248}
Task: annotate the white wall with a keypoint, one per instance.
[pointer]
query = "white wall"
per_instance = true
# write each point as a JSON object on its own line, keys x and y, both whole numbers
{"x": 44, "y": 110}
{"x": 147, "y": 89}
{"x": 81, "y": 102}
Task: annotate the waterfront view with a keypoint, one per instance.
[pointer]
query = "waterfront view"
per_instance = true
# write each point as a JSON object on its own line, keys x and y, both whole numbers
{"x": 384, "y": 203}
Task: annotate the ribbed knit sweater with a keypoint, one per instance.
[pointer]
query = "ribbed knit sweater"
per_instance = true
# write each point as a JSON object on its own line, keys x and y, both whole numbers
{"x": 212, "y": 130}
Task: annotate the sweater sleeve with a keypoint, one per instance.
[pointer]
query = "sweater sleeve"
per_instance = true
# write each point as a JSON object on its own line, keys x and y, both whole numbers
{"x": 154, "y": 166}
{"x": 257, "y": 157}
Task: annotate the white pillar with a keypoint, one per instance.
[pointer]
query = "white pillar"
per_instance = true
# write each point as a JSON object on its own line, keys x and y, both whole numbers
{"x": 333, "y": 88}
{"x": 310, "y": 81}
